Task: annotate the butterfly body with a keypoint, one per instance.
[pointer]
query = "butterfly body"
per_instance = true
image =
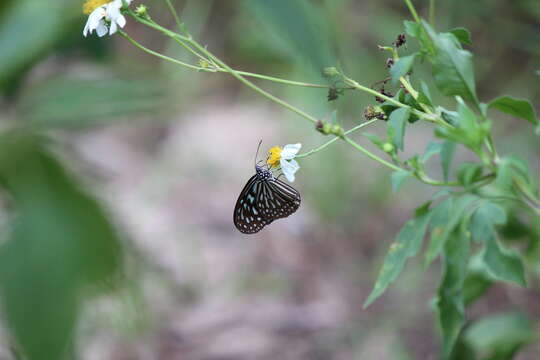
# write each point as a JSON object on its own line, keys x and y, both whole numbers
{"x": 264, "y": 199}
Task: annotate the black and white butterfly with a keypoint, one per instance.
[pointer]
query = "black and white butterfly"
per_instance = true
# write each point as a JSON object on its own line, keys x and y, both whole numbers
{"x": 264, "y": 199}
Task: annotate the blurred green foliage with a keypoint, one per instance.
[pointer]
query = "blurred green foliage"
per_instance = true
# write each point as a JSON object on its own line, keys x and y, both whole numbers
{"x": 60, "y": 246}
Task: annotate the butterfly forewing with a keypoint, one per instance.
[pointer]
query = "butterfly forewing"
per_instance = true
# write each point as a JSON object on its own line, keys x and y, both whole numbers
{"x": 263, "y": 200}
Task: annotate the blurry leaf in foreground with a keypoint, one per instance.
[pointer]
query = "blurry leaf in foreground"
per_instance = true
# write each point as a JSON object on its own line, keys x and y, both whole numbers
{"x": 301, "y": 28}
{"x": 59, "y": 243}
{"x": 28, "y": 28}
{"x": 500, "y": 336}
{"x": 71, "y": 101}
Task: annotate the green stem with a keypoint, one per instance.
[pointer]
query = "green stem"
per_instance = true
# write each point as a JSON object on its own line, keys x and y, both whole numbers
{"x": 432, "y": 12}
{"x": 412, "y": 10}
{"x": 199, "y": 68}
{"x": 317, "y": 149}
{"x": 161, "y": 56}
{"x": 175, "y": 15}
{"x": 371, "y": 155}
{"x": 251, "y": 85}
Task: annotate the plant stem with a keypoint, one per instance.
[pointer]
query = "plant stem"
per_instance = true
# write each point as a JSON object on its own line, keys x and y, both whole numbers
{"x": 251, "y": 85}
{"x": 371, "y": 155}
{"x": 317, "y": 149}
{"x": 212, "y": 69}
{"x": 432, "y": 12}
{"x": 161, "y": 56}
{"x": 412, "y": 10}
{"x": 175, "y": 15}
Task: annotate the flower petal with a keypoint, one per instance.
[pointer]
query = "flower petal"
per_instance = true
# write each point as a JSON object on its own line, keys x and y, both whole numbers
{"x": 102, "y": 29}
{"x": 289, "y": 168}
{"x": 290, "y": 150}
{"x": 121, "y": 20}
{"x": 113, "y": 28}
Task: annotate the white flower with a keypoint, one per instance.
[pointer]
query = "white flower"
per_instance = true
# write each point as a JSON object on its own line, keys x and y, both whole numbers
{"x": 285, "y": 157}
{"x": 106, "y": 18}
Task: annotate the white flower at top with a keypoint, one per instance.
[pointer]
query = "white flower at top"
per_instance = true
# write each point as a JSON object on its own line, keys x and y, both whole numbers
{"x": 285, "y": 158}
{"x": 105, "y": 16}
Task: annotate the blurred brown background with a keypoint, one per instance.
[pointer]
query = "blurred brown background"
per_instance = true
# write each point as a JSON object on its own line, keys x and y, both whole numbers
{"x": 168, "y": 151}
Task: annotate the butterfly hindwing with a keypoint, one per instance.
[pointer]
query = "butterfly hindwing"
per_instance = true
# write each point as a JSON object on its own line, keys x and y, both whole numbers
{"x": 263, "y": 200}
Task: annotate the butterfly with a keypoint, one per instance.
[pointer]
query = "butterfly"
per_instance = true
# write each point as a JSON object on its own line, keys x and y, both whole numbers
{"x": 264, "y": 199}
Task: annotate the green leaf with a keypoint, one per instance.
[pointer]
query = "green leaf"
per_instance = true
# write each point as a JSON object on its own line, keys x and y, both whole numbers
{"x": 402, "y": 67}
{"x": 72, "y": 101}
{"x": 504, "y": 264}
{"x": 446, "y": 217}
{"x": 462, "y": 34}
{"x": 468, "y": 130}
{"x": 484, "y": 219}
{"x": 424, "y": 95}
{"x": 60, "y": 246}
{"x": 396, "y": 126}
{"x": 447, "y": 155}
{"x": 432, "y": 149}
{"x": 477, "y": 280}
{"x": 398, "y": 178}
{"x": 450, "y": 303}
{"x": 520, "y": 108}
{"x": 500, "y": 336}
{"x": 452, "y": 66}
{"x": 18, "y": 41}
{"x": 468, "y": 173}
{"x": 407, "y": 244}
{"x": 412, "y": 28}
{"x": 375, "y": 139}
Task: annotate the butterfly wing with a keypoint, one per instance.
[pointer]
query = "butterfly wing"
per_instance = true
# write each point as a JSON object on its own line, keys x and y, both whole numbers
{"x": 283, "y": 199}
{"x": 263, "y": 201}
{"x": 247, "y": 217}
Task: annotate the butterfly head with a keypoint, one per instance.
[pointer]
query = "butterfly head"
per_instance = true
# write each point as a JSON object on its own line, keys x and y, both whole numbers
{"x": 263, "y": 174}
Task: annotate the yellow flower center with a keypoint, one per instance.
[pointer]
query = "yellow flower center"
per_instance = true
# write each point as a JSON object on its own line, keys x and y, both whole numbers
{"x": 274, "y": 155}
{"x": 91, "y": 5}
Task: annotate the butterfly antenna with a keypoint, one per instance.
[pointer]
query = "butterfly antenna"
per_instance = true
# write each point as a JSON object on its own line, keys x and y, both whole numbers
{"x": 257, "y": 153}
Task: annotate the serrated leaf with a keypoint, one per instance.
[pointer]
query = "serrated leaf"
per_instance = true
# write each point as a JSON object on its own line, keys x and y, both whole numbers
{"x": 503, "y": 264}
{"x": 447, "y": 155}
{"x": 453, "y": 69}
{"x": 398, "y": 178}
{"x": 450, "y": 304}
{"x": 396, "y": 126}
{"x": 447, "y": 216}
{"x": 407, "y": 244}
{"x": 500, "y": 336}
{"x": 520, "y": 108}
{"x": 462, "y": 34}
{"x": 402, "y": 67}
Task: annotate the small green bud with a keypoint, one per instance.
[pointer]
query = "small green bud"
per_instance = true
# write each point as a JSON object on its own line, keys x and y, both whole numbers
{"x": 337, "y": 130}
{"x": 323, "y": 127}
{"x": 141, "y": 10}
{"x": 388, "y": 148}
{"x": 330, "y": 71}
